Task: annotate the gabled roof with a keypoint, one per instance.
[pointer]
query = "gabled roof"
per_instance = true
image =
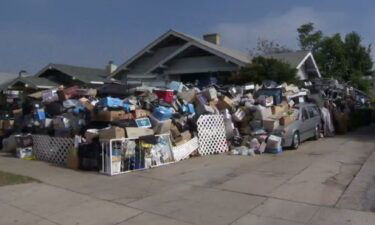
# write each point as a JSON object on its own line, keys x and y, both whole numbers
{"x": 84, "y": 74}
{"x": 231, "y": 55}
{"x": 31, "y": 81}
{"x": 293, "y": 58}
{"x": 6, "y": 77}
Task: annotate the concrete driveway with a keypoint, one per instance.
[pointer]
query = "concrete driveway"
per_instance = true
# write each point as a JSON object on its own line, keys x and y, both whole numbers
{"x": 325, "y": 182}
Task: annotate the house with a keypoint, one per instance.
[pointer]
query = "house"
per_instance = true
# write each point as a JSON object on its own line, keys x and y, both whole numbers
{"x": 181, "y": 57}
{"x": 53, "y": 76}
{"x": 69, "y": 75}
{"x": 303, "y": 61}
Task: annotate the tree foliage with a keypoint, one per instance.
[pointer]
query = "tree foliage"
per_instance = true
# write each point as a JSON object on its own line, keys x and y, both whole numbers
{"x": 344, "y": 59}
{"x": 308, "y": 37}
{"x": 266, "y": 47}
{"x": 262, "y": 68}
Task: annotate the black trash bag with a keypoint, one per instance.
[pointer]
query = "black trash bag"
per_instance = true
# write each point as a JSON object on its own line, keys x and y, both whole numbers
{"x": 150, "y": 139}
{"x": 54, "y": 109}
{"x": 89, "y": 156}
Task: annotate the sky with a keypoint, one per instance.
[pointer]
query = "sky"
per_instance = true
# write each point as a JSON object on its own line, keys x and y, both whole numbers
{"x": 90, "y": 33}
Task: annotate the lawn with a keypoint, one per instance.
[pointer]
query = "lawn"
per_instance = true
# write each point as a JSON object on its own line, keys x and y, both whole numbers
{"x": 9, "y": 179}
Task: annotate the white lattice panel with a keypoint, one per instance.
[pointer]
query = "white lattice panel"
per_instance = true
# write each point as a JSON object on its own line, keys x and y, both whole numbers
{"x": 211, "y": 133}
{"x": 52, "y": 149}
{"x": 183, "y": 151}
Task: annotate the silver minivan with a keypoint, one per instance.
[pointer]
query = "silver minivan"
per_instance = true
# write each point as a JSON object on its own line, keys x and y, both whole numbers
{"x": 307, "y": 125}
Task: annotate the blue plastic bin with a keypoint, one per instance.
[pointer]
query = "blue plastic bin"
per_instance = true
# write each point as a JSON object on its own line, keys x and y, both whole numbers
{"x": 162, "y": 113}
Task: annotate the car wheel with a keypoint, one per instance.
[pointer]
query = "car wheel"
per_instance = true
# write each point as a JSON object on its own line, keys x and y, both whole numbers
{"x": 316, "y": 133}
{"x": 296, "y": 141}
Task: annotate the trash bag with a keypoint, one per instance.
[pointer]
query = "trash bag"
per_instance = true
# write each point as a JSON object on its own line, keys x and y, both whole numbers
{"x": 54, "y": 109}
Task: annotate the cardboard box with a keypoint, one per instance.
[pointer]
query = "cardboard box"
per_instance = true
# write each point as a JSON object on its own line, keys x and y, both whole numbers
{"x": 174, "y": 131}
{"x": 188, "y": 96}
{"x": 286, "y": 120}
{"x": 48, "y": 122}
{"x": 239, "y": 115}
{"x": 280, "y": 109}
{"x": 87, "y": 92}
{"x": 108, "y": 116}
{"x": 225, "y": 103}
{"x": 213, "y": 103}
{"x": 85, "y": 102}
{"x": 17, "y": 112}
{"x": 91, "y": 134}
{"x": 182, "y": 138}
{"x": 210, "y": 93}
{"x": 139, "y": 113}
{"x": 270, "y": 124}
{"x": 111, "y": 133}
{"x": 8, "y": 124}
{"x": 262, "y": 112}
{"x": 186, "y": 135}
{"x": 273, "y": 144}
{"x": 72, "y": 160}
{"x": 134, "y": 132}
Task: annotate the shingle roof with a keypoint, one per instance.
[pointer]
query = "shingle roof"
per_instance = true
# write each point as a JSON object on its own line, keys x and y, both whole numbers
{"x": 38, "y": 82}
{"x": 6, "y": 77}
{"x": 231, "y": 54}
{"x": 31, "y": 81}
{"x": 84, "y": 74}
{"x": 240, "y": 56}
{"x": 293, "y": 58}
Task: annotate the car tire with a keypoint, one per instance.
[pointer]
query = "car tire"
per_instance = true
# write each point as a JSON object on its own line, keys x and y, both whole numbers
{"x": 316, "y": 133}
{"x": 295, "y": 141}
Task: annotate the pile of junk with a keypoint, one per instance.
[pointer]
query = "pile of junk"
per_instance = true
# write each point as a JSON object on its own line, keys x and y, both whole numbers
{"x": 257, "y": 118}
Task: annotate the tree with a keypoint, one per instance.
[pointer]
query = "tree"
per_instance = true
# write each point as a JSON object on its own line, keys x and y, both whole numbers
{"x": 359, "y": 57}
{"x": 308, "y": 38}
{"x": 347, "y": 60}
{"x": 331, "y": 57}
{"x": 266, "y": 47}
{"x": 262, "y": 68}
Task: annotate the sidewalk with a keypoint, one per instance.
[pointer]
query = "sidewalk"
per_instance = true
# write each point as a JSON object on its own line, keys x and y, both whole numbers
{"x": 313, "y": 185}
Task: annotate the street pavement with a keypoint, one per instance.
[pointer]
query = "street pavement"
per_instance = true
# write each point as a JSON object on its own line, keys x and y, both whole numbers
{"x": 326, "y": 182}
